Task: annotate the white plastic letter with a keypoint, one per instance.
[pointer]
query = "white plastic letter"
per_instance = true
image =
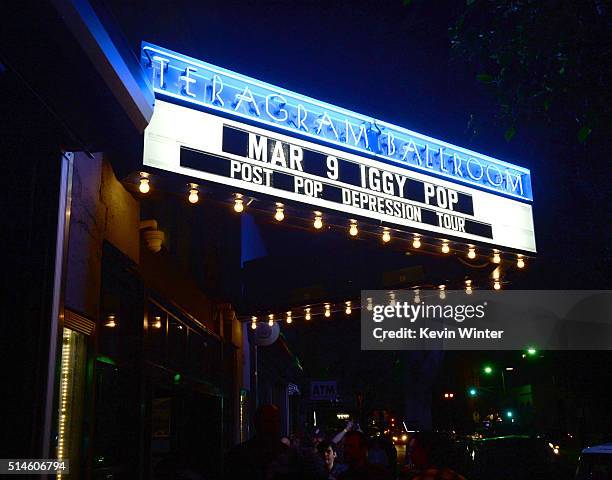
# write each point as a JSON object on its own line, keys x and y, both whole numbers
{"x": 163, "y": 66}
{"x": 442, "y": 160}
{"x": 281, "y": 111}
{"x": 185, "y": 77}
{"x": 411, "y": 147}
{"x": 247, "y": 96}
{"x": 326, "y": 120}
{"x": 518, "y": 183}
{"x": 498, "y": 174}
{"x": 217, "y": 88}
{"x": 300, "y": 120}
{"x": 469, "y": 170}
{"x": 356, "y": 139}
{"x": 390, "y": 144}
{"x": 258, "y": 150}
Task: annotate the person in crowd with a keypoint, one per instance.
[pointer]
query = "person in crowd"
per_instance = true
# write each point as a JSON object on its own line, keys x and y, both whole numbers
{"x": 428, "y": 458}
{"x": 356, "y": 458}
{"x": 340, "y": 435}
{"x": 317, "y": 437}
{"x": 329, "y": 454}
{"x": 382, "y": 451}
{"x": 296, "y": 441}
{"x": 263, "y": 457}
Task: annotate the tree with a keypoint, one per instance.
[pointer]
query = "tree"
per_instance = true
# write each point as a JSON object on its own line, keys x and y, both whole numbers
{"x": 543, "y": 60}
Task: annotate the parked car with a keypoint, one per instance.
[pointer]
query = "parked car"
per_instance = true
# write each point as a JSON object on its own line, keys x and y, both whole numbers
{"x": 595, "y": 463}
{"x": 507, "y": 457}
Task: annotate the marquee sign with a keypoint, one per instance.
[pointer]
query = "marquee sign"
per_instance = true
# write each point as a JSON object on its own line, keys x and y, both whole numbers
{"x": 176, "y": 76}
{"x": 215, "y": 149}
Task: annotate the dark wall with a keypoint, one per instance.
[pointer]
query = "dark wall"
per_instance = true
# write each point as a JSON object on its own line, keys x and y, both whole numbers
{"x": 29, "y": 195}
{"x": 52, "y": 100}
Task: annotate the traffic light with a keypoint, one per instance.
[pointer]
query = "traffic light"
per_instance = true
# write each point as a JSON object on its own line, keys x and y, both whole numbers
{"x": 487, "y": 369}
{"x": 472, "y": 392}
{"x": 509, "y": 414}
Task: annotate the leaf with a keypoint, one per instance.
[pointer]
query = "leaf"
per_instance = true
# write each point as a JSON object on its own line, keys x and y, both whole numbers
{"x": 484, "y": 78}
{"x": 509, "y": 134}
{"x": 584, "y": 133}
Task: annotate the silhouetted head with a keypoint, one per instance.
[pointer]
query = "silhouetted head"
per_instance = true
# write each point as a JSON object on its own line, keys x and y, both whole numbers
{"x": 430, "y": 450}
{"x": 355, "y": 448}
{"x": 267, "y": 421}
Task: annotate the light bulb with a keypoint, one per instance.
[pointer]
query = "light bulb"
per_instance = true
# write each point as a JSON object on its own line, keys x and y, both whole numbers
{"x": 327, "y": 311}
{"x": 193, "y": 195}
{"x": 157, "y": 322}
{"x": 348, "y": 308}
{"x": 468, "y": 287}
{"x": 520, "y": 262}
{"x": 445, "y": 248}
{"x": 386, "y": 236}
{"x": 144, "y": 186}
{"x": 496, "y": 257}
{"x": 271, "y": 320}
{"x": 279, "y": 216}
{"x": 307, "y": 314}
{"x": 495, "y": 274}
{"x": 416, "y": 243}
{"x": 238, "y": 205}
{"x": 289, "y": 319}
{"x": 442, "y": 292}
{"x": 497, "y": 285}
{"x": 353, "y": 231}
{"x": 369, "y": 306}
{"x": 318, "y": 221}
{"x": 471, "y": 253}
{"x": 253, "y": 325}
{"x": 417, "y": 297}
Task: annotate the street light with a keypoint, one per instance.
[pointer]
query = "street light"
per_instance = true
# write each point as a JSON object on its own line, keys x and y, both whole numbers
{"x": 488, "y": 370}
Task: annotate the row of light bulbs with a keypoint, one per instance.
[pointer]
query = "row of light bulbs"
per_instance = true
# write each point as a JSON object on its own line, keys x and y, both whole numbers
{"x": 348, "y": 306}
{"x": 279, "y": 216}
{"x": 308, "y": 313}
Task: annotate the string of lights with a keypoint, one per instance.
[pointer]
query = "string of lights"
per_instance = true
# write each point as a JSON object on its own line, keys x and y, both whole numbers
{"x": 327, "y": 309}
{"x": 416, "y": 241}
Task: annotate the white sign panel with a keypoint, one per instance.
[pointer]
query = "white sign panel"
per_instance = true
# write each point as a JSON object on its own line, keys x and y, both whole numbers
{"x": 216, "y": 149}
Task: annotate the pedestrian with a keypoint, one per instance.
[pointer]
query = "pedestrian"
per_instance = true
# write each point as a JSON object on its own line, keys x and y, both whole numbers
{"x": 429, "y": 456}
{"x": 329, "y": 454}
{"x": 340, "y": 435}
{"x": 356, "y": 458}
{"x": 263, "y": 457}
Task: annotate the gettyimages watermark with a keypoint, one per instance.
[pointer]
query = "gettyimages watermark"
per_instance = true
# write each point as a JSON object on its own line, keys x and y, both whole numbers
{"x": 486, "y": 320}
